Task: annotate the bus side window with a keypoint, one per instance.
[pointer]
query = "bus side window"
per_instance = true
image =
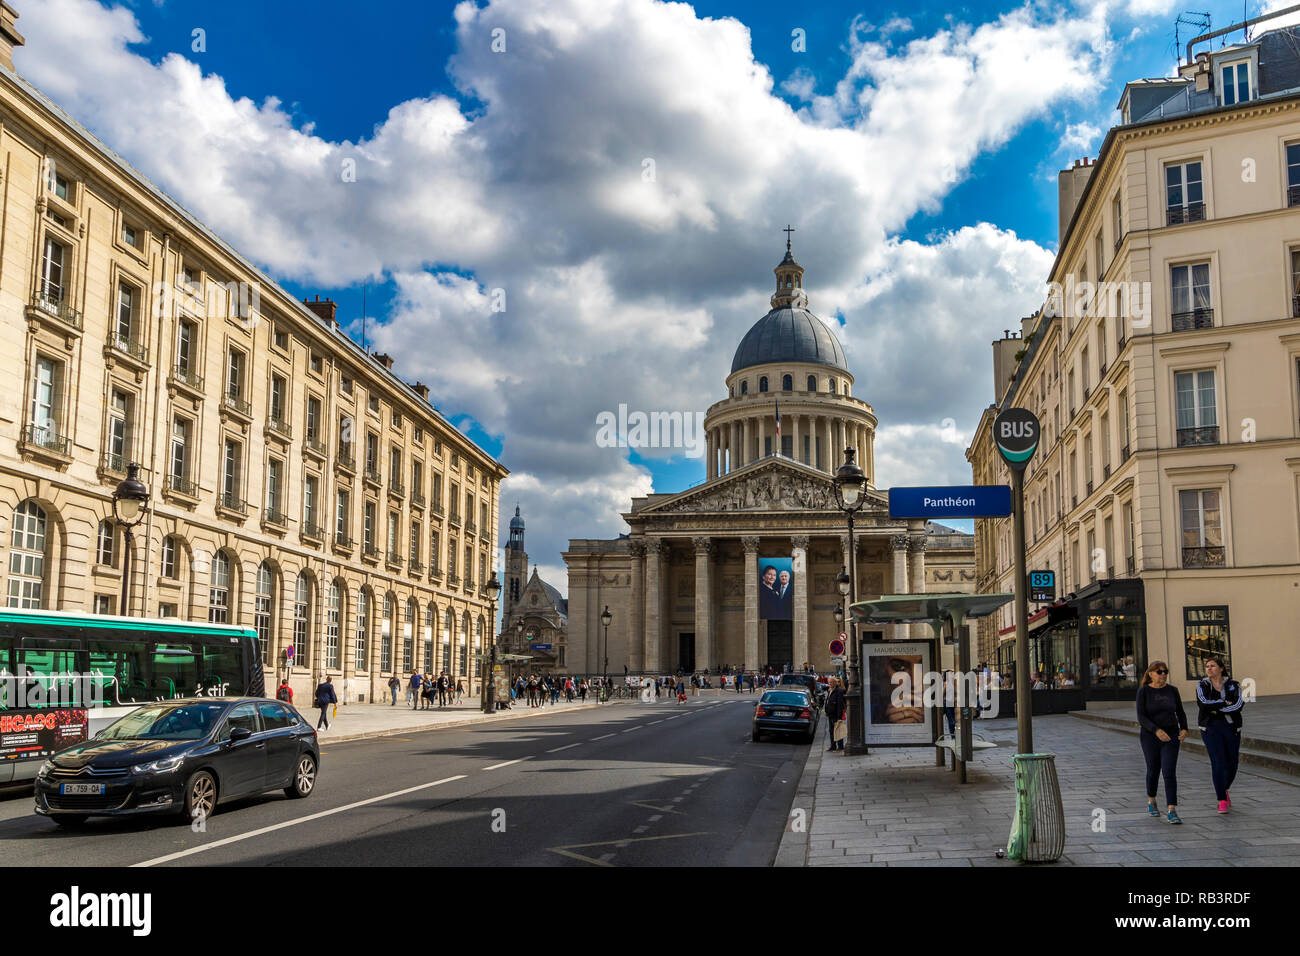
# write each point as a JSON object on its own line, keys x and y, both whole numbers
{"x": 174, "y": 670}
{"x": 48, "y": 672}
{"x": 118, "y": 670}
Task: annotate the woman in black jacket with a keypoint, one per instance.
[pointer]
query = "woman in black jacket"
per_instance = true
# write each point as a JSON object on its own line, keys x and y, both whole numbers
{"x": 1164, "y": 725}
{"x": 835, "y": 707}
{"x": 1219, "y": 703}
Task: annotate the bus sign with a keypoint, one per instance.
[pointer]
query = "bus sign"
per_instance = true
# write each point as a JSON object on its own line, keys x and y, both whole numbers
{"x": 1015, "y": 433}
{"x": 1042, "y": 586}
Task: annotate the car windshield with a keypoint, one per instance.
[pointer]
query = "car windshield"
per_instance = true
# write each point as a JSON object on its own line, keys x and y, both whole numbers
{"x": 166, "y": 722}
{"x": 785, "y": 697}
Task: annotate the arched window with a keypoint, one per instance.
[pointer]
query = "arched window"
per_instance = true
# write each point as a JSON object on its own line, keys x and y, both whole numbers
{"x": 386, "y": 635}
{"x": 263, "y": 605}
{"x": 430, "y": 615}
{"x": 448, "y": 622}
{"x": 219, "y": 589}
{"x": 301, "y": 619}
{"x": 812, "y": 383}
{"x": 464, "y": 644}
{"x": 787, "y": 383}
{"x": 333, "y": 612}
{"x": 27, "y": 556}
{"x": 744, "y": 387}
{"x": 762, "y": 384}
{"x": 362, "y": 647}
{"x": 106, "y": 541}
{"x": 408, "y": 637}
{"x": 834, "y": 385}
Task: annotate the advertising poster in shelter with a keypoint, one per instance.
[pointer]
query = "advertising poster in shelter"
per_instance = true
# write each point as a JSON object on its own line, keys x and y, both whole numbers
{"x": 895, "y": 687}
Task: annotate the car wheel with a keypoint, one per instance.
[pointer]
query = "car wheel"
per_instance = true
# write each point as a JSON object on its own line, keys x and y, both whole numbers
{"x": 200, "y": 795}
{"x": 69, "y": 819}
{"x": 304, "y": 778}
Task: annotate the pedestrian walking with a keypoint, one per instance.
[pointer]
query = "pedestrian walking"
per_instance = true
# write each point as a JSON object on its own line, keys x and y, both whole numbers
{"x": 325, "y": 698}
{"x": 950, "y": 702}
{"x": 413, "y": 695}
{"x": 1219, "y": 703}
{"x": 1164, "y": 725}
{"x": 460, "y": 690}
{"x": 836, "y": 704}
{"x": 284, "y": 691}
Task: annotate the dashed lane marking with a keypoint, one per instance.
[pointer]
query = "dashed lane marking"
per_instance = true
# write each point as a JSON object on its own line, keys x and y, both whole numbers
{"x": 498, "y": 766}
{"x": 565, "y": 747}
{"x": 601, "y": 737}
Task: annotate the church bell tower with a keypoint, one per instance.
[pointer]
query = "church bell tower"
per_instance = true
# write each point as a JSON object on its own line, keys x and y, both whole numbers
{"x": 516, "y": 566}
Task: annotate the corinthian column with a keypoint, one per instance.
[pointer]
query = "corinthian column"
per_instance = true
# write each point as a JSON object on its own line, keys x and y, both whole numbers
{"x": 653, "y": 602}
{"x": 747, "y": 454}
{"x": 751, "y": 602}
{"x": 799, "y": 542}
{"x": 898, "y": 544}
{"x": 703, "y": 604}
{"x": 636, "y": 607}
{"x": 916, "y": 574}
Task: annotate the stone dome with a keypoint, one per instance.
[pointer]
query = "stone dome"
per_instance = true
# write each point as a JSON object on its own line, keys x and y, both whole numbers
{"x": 788, "y": 335}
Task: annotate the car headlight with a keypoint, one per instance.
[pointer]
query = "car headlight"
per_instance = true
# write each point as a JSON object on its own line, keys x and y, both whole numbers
{"x": 45, "y": 769}
{"x": 165, "y": 765}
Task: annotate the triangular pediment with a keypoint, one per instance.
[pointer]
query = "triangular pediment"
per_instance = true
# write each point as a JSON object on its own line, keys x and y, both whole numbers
{"x": 771, "y": 484}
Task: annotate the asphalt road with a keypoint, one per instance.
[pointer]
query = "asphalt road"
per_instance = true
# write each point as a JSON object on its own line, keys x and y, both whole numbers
{"x": 630, "y": 784}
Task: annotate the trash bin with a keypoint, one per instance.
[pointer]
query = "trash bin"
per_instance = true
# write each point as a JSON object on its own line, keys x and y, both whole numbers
{"x": 1038, "y": 828}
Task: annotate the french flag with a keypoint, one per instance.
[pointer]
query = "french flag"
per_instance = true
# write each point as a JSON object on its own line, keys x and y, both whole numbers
{"x": 778, "y": 418}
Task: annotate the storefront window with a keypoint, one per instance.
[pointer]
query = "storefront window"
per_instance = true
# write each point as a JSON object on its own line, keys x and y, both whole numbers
{"x": 1205, "y": 632}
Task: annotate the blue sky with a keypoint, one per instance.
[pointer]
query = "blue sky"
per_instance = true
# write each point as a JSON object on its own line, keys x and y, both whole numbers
{"x": 520, "y": 172}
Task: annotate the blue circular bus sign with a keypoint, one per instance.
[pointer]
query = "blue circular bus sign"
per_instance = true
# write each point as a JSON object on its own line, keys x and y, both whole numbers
{"x": 1016, "y": 432}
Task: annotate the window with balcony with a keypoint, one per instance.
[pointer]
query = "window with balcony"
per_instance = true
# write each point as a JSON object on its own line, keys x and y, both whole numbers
{"x": 372, "y": 456}
{"x": 417, "y": 539}
{"x": 186, "y": 354}
{"x": 433, "y": 550}
{"x": 1083, "y": 373}
{"x": 1105, "y": 445}
{"x": 1184, "y": 196}
{"x": 394, "y": 537}
{"x": 1295, "y": 282}
{"x": 179, "y": 471}
{"x": 231, "y": 474}
{"x": 44, "y": 424}
{"x": 1198, "y": 422}
{"x": 1101, "y": 349}
{"x": 310, "y": 504}
{"x": 121, "y": 408}
{"x": 368, "y": 529}
{"x": 275, "y": 491}
{"x": 53, "y": 289}
{"x": 342, "y": 518}
{"x": 1190, "y": 285}
{"x": 236, "y": 363}
{"x": 1202, "y": 529}
{"x": 279, "y": 400}
{"x": 1129, "y": 540}
{"x": 126, "y": 329}
{"x": 437, "y": 492}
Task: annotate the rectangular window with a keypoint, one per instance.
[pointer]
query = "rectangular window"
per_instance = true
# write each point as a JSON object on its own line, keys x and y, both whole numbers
{"x": 1202, "y": 529}
{"x": 1295, "y": 283}
{"x": 1293, "y": 174}
{"x": 1184, "y": 198}
{"x": 62, "y": 188}
{"x": 1191, "y": 296}
{"x": 233, "y": 460}
{"x": 372, "y": 452}
{"x": 433, "y": 550}
{"x": 185, "y": 349}
{"x": 278, "y": 388}
{"x": 1101, "y": 348}
{"x": 317, "y": 364}
{"x": 168, "y": 569}
{"x": 281, "y": 339}
{"x": 1099, "y": 252}
{"x": 342, "y": 512}
{"x": 103, "y": 604}
{"x": 1198, "y": 422}
{"x": 1108, "y": 542}
{"x": 274, "y": 485}
{"x": 235, "y": 374}
{"x": 1117, "y": 220}
{"x": 368, "y": 527}
{"x": 417, "y": 539}
{"x": 1129, "y": 540}
{"x": 392, "y": 533}
{"x": 125, "y": 329}
{"x": 166, "y": 610}
{"x": 180, "y": 456}
{"x": 1105, "y": 443}
{"x": 310, "y": 492}
{"x": 119, "y": 430}
{"x": 52, "y": 284}
{"x": 131, "y": 236}
{"x": 1235, "y": 83}
{"x": 313, "y": 419}
{"x": 437, "y": 490}
{"x": 1083, "y": 372}
{"x": 1205, "y": 635}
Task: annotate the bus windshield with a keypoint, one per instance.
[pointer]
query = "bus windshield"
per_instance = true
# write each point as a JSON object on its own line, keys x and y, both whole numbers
{"x": 166, "y": 722}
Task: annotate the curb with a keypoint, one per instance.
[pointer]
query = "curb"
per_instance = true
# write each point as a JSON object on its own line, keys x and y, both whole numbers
{"x": 793, "y": 850}
{"x": 444, "y": 725}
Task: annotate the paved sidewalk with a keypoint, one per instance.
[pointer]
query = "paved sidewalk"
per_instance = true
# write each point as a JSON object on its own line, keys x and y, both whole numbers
{"x": 378, "y": 720}
{"x": 893, "y": 807}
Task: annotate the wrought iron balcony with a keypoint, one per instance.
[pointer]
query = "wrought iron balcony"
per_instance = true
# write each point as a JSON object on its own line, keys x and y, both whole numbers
{"x": 181, "y": 485}
{"x": 1196, "y": 319}
{"x": 276, "y": 517}
{"x": 131, "y": 347}
{"x": 373, "y": 476}
{"x": 453, "y": 579}
{"x": 1206, "y": 435}
{"x": 57, "y": 308}
{"x": 1295, "y": 306}
{"x": 395, "y": 487}
{"x": 435, "y": 571}
{"x": 113, "y": 463}
{"x": 281, "y": 428}
{"x": 370, "y": 551}
{"x": 454, "y": 518}
{"x": 1211, "y": 557}
{"x": 46, "y": 438}
{"x": 394, "y": 559}
{"x": 471, "y": 527}
{"x": 1191, "y": 212}
{"x": 184, "y": 375}
{"x": 416, "y": 567}
{"x": 417, "y": 499}
{"x": 310, "y": 529}
{"x": 233, "y": 402}
{"x": 343, "y": 540}
{"x": 436, "y": 508}
{"x": 230, "y": 501}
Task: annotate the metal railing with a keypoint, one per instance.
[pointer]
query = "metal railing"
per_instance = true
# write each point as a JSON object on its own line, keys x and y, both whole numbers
{"x": 417, "y": 499}
{"x": 238, "y": 405}
{"x": 1205, "y": 435}
{"x": 346, "y": 463}
{"x": 281, "y": 427}
{"x": 397, "y": 488}
{"x": 310, "y": 529}
{"x": 182, "y": 485}
{"x": 276, "y": 516}
{"x": 1211, "y": 557}
{"x": 233, "y": 502}
{"x": 188, "y": 377}
{"x": 471, "y": 527}
{"x": 373, "y": 475}
{"x": 454, "y": 518}
{"x": 394, "y": 559}
{"x": 59, "y": 309}
{"x": 113, "y": 462}
{"x": 130, "y": 346}
{"x": 1196, "y": 319}
{"x": 44, "y": 436}
{"x": 343, "y": 540}
{"x": 1190, "y": 212}
{"x": 370, "y": 551}
{"x": 416, "y": 567}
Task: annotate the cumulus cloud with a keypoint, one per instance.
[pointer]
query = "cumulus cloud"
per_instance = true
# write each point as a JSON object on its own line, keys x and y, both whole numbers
{"x": 618, "y": 174}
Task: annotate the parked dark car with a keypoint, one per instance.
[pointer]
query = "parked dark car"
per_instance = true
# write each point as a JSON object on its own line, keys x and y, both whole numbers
{"x": 788, "y": 711}
{"x": 181, "y": 756}
{"x": 807, "y": 681}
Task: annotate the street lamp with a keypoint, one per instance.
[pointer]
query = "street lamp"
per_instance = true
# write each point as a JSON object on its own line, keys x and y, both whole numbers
{"x": 130, "y": 502}
{"x": 491, "y": 591}
{"x": 849, "y": 484}
{"x": 606, "y": 618}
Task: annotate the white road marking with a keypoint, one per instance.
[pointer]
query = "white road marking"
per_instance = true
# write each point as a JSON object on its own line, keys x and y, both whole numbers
{"x": 641, "y": 829}
{"x": 602, "y": 737}
{"x": 659, "y": 721}
{"x": 630, "y": 729}
{"x": 498, "y": 766}
{"x": 565, "y": 747}
{"x": 656, "y": 818}
{"x": 293, "y": 823}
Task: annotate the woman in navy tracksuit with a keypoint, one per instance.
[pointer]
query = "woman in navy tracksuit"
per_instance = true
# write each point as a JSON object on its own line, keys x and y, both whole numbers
{"x": 1164, "y": 725}
{"x": 1219, "y": 717}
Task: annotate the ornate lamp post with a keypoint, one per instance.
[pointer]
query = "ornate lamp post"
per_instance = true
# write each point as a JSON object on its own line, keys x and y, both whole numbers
{"x": 491, "y": 591}
{"x": 606, "y": 618}
{"x": 130, "y": 502}
{"x": 849, "y": 484}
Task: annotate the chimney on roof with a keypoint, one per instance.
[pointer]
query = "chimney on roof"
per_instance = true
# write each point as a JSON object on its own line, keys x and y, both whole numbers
{"x": 1070, "y": 185}
{"x": 325, "y": 309}
{"x": 422, "y": 390}
{"x": 385, "y": 360}
{"x": 9, "y": 35}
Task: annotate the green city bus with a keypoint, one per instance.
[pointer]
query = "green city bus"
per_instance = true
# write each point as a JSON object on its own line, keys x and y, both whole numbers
{"x": 65, "y": 676}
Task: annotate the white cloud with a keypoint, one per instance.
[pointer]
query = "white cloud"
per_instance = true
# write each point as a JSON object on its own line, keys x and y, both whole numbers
{"x": 617, "y": 288}
{"x": 1081, "y": 136}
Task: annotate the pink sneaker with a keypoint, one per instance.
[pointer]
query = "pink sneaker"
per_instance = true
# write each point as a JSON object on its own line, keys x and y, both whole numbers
{"x": 1223, "y": 806}
{"x": 1226, "y": 798}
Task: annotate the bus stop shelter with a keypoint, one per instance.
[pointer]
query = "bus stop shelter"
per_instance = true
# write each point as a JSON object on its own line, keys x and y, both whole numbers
{"x": 937, "y": 610}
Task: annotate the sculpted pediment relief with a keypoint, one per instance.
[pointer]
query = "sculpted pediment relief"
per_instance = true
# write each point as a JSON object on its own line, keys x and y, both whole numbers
{"x": 775, "y": 486}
